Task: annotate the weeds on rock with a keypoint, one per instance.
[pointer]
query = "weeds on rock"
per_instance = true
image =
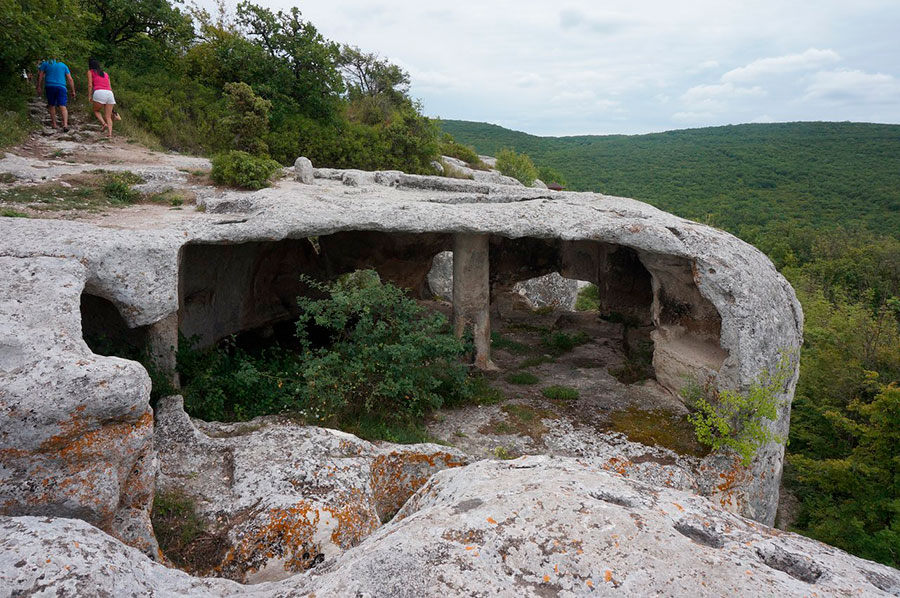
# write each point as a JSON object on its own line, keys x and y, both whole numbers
{"x": 182, "y": 534}
{"x": 638, "y": 365}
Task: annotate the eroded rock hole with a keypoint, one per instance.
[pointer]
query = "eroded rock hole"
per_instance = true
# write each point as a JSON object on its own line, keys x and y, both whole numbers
{"x": 796, "y": 566}
{"x": 700, "y": 534}
{"x": 106, "y": 332}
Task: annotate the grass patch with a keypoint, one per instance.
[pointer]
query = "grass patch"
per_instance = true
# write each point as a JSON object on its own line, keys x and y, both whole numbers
{"x": 374, "y": 428}
{"x": 182, "y": 534}
{"x": 536, "y": 360}
{"x": 525, "y": 327}
{"x": 93, "y": 192}
{"x": 558, "y": 343}
{"x": 118, "y": 186}
{"x": 451, "y": 171}
{"x": 136, "y": 134}
{"x": 498, "y": 341}
{"x": 173, "y": 197}
{"x": 483, "y": 393}
{"x": 7, "y": 213}
{"x": 560, "y": 393}
{"x": 520, "y": 420}
{"x": 522, "y": 378}
{"x": 7, "y": 177}
{"x": 588, "y": 299}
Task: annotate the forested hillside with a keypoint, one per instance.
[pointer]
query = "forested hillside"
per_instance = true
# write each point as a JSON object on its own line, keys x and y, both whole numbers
{"x": 804, "y": 173}
{"x": 823, "y": 201}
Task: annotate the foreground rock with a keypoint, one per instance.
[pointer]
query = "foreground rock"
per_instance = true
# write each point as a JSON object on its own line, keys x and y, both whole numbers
{"x": 535, "y": 526}
{"x": 76, "y": 429}
{"x": 280, "y": 497}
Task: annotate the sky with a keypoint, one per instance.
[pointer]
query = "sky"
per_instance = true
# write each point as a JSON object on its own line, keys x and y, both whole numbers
{"x": 573, "y": 67}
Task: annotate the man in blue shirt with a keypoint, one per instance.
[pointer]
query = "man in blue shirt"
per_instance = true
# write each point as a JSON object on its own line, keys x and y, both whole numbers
{"x": 53, "y": 78}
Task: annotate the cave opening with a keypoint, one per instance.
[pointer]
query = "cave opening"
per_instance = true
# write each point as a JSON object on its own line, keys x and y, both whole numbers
{"x": 106, "y": 332}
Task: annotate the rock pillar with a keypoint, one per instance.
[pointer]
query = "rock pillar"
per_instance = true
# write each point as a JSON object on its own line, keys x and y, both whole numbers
{"x": 471, "y": 294}
{"x": 162, "y": 343}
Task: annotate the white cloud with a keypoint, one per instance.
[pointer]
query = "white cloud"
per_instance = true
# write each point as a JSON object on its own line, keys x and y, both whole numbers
{"x": 529, "y": 80}
{"x": 853, "y": 87}
{"x": 720, "y": 91}
{"x": 571, "y": 19}
{"x": 810, "y": 60}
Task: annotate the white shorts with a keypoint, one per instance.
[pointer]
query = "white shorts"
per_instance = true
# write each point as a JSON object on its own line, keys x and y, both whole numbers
{"x": 104, "y": 96}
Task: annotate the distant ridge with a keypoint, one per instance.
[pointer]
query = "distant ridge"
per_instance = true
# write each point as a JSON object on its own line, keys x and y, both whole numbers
{"x": 814, "y": 174}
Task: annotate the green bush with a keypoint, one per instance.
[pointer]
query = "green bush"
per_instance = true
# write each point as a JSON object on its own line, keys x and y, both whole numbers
{"x": 560, "y": 393}
{"x": 518, "y": 166}
{"x": 240, "y": 169}
{"x": 736, "y": 420}
{"x": 388, "y": 357}
{"x": 450, "y": 147}
{"x": 384, "y": 363}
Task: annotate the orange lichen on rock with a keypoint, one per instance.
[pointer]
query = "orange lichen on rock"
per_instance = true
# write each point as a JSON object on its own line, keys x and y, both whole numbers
{"x": 620, "y": 466}
{"x": 398, "y": 475}
{"x": 300, "y": 536}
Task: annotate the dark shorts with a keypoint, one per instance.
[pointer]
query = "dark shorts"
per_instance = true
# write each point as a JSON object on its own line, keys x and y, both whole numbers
{"x": 56, "y": 96}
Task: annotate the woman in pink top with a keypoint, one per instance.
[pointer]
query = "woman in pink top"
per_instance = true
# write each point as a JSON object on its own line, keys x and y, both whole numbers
{"x": 100, "y": 92}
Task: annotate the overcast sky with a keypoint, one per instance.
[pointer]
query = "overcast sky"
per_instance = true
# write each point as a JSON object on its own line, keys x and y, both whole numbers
{"x": 595, "y": 67}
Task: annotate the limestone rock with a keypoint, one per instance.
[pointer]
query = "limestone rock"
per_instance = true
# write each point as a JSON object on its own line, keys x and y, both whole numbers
{"x": 440, "y": 276}
{"x": 535, "y": 526}
{"x": 716, "y": 303}
{"x": 76, "y": 429}
{"x": 287, "y": 496}
{"x": 550, "y": 290}
{"x": 539, "y": 184}
{"x": 303, "y": 171}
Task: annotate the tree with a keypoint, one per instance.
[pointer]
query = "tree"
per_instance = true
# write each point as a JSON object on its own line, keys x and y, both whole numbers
{"x": 300, "y": 55}
{"x": 365, "y": 74}
{"x": 122, "y": 21}
{"x": 247, "y": 121}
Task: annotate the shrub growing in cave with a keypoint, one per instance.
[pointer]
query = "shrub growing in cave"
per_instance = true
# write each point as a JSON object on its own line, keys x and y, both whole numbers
{"x": 369, "y": 359}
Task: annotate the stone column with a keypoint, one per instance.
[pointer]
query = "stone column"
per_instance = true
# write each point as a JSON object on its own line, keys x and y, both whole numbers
{"x": 162, "y": 342}
{"x": 471, "y": 294}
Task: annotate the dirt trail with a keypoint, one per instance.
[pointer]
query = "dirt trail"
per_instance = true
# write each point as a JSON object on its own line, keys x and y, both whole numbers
{"x": 60, "y": 174}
